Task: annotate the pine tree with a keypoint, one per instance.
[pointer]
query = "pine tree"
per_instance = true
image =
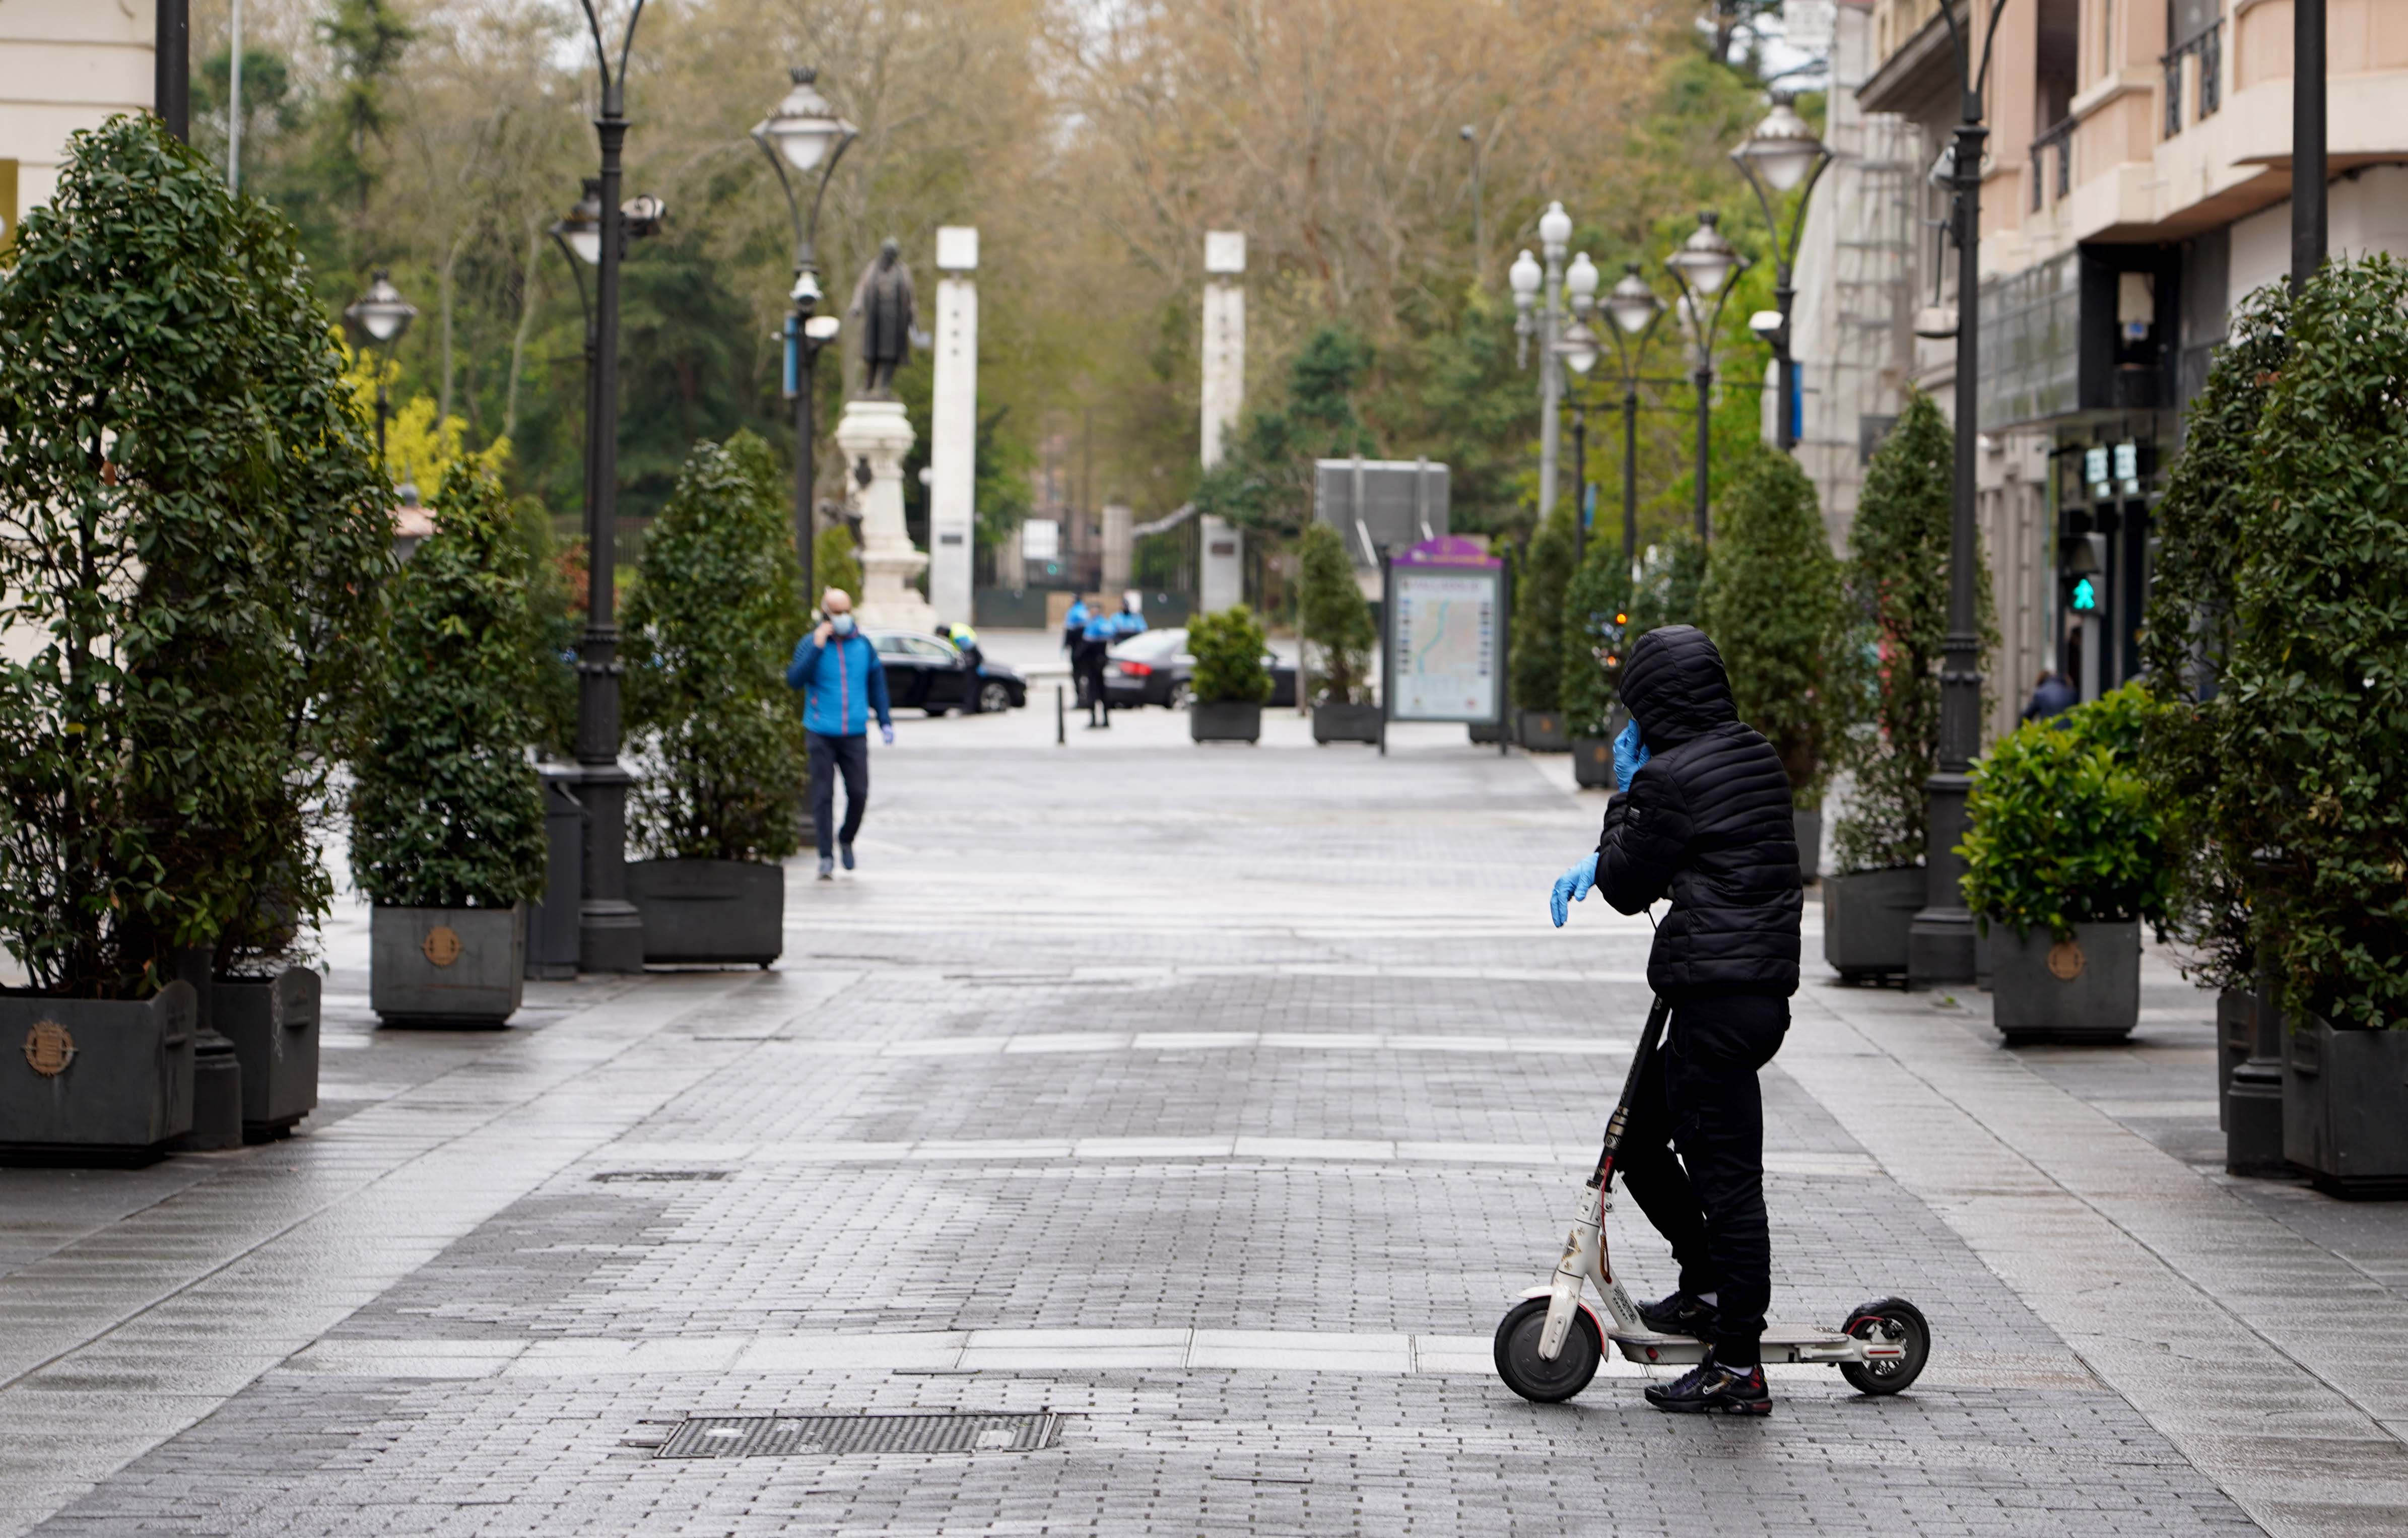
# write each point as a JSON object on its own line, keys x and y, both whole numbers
{"x": 1773, "y": 606}
{"x": 1337, "y": 622}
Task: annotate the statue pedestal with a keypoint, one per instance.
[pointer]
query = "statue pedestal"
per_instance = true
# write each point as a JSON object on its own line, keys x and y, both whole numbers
{"x": 879, "y": 433}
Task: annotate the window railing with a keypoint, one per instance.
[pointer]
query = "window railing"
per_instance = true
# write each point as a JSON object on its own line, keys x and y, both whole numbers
{"x": 2052, "y": 161}
{"x": 2208, "y": 46}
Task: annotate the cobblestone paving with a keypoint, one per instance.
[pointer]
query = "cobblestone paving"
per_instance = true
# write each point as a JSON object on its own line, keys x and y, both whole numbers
{"x": 1352, "y": 1072}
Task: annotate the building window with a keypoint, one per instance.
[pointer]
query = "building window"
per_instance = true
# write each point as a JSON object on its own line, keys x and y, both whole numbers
{"x": 2194, "y": 29}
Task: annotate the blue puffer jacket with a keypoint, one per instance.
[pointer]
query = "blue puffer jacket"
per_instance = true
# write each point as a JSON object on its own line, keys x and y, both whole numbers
{"x": 841, "y": 682}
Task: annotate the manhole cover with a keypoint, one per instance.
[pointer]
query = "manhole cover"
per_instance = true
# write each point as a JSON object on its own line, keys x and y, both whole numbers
{"x": 764, "y": 1436}
{"x": 616, "y": 1177}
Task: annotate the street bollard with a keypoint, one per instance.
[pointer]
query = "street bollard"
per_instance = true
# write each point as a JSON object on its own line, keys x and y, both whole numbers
{"x": 1061, "y": 738}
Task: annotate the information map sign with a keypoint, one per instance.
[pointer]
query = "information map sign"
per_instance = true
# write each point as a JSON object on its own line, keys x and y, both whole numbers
{"x": 1445, "y": 617}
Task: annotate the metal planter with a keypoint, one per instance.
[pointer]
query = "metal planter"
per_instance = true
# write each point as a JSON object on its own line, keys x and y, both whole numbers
{"x": 1865, "y": 920}
{"x": 1483, "y": 732}
{"x": 1593, "y": 763}
{"x": 273, "y": 1023}
{"x": 1224, "y": 721}
{"x": 89, "y": 1080}
{"x": 1807, "y": 823}
{"x": 2345, "y": 1107}
{"x": 1542, "y": 731}
{"x": 447, "y": 966}
{"x": 1346, "y": 724}
{"x": 2083, "y": 989}
{"x": 730, "y": 913}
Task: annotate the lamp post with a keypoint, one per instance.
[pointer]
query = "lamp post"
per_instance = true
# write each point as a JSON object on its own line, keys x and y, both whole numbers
{"x": 1578, "y": 352}
{"x": 1703, "y": 267}
{"x": 381, "y": 315}
{"x": 1532, "y": 283}
{"x": 1940, "y": 940}
{"x": 805, "y": 133}
{"x": 1635, "y": 309}
{"x": 1780, "y": 155}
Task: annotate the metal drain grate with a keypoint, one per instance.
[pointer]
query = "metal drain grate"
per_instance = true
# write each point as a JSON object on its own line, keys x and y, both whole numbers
{"x": 830, "y": 1436}
{"x": 618, "y": 1177}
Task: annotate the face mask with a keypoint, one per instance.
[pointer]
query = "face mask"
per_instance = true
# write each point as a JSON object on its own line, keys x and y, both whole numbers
{"x": 840, "y": 624}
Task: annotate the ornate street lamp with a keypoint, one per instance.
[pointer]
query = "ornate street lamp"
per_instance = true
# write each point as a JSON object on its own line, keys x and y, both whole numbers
{"x": 381, "y": 315}
{"x": 1635, "y": 311}
{"x": 1782, "y": 155}
{"x": 1702, "y": 268}
{"x": 1578, "y": 351}
{"x": 805, "y": 133}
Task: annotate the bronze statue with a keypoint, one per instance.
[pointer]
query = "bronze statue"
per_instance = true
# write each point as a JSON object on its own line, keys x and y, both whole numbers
{"x": 882, "y": 309}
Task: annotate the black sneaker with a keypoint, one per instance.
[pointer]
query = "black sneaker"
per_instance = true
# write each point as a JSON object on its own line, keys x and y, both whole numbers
{"x": 1710, "y": 1388}
{"x": 1683, "y": 1314}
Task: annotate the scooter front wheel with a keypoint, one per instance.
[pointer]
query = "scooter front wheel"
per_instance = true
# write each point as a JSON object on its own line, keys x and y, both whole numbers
{"x": 1533, "y": 1376}
{"x": 1892, "y": 1321}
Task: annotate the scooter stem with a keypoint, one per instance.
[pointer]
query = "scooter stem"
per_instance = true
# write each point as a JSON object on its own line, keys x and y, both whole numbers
{"x": 1584, "y": 1254}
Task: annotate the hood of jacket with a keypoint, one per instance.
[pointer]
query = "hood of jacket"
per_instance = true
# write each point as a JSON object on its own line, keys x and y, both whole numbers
{"x": 1675, "y": 686}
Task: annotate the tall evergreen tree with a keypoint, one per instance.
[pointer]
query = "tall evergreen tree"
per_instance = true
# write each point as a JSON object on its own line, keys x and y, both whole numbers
{"x": 1773, "y": 606}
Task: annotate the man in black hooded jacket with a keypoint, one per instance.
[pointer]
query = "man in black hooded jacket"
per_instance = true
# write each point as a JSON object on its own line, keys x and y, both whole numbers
{"x": 1704, "y": 816}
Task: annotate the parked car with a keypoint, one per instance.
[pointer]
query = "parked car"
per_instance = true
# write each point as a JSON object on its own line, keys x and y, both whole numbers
{"x": 923, "y": 673}
{"x": 1154, "y": 668}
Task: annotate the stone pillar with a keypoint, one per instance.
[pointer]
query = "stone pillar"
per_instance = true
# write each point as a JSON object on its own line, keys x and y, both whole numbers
{"x": 877, "y": 433}
{"x": 1120, "y": 546}
{"x": 953, "y": 429}
{"x": 1221, "y": 580}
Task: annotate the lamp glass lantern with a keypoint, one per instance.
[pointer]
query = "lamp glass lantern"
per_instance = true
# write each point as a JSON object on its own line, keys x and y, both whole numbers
{"x": 1524, "y": 276}
{"x": 1578, "y": 349}
{"x": 382, "y": 313}
{"x": 1706, "y": 259}
{"x": 1580, "y": 283}
{"x": 804, "y": 127}
{"x": 581, "y": 227}
{"x": 1632, "y": 304}
{"x": 1783, "y": 149}
{"x": 1555, "y": 229}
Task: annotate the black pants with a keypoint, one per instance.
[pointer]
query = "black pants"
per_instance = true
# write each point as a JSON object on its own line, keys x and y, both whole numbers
{"x": 831, "y": 756}
{"x": 1700, "y": 1095}
{"x": 973, "y": 660}
{"x": 1088, "y": 661}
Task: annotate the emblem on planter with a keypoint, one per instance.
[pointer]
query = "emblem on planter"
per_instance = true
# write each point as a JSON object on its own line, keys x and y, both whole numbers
{"x": 49, "y": 1048}
{"x": 2065, "y": 960}
{"x": 442, "y": 945}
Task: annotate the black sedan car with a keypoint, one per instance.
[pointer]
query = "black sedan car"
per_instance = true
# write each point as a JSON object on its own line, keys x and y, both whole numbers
{"x": 923, "y": 673}
{"x": 1154, "y": 668}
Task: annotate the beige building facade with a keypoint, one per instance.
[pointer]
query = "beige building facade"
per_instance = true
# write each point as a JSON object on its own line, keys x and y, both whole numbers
{"x": 2136, "y": 188}
{"x": 64, "y": 65}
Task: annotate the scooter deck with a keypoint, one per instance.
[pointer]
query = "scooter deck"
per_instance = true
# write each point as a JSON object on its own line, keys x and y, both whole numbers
{"x": 1782, "y": 1342}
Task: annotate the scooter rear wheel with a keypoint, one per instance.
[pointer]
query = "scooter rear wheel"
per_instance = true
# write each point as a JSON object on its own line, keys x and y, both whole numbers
{"x": 1533, "y": 1376}
{"x": 1898, "y": 1322}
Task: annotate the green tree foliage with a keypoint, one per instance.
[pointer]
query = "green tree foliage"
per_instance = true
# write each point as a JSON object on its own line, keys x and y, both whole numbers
{"x": 1774, "y": 605}
{"x": 2312, "y": 712}
{"x": 555, "y": 579}
{"x": 1535, "y": 672}
{"x": 445, "y": 812}
{"x": 2061, "y": 826}
{"x": 1228, "y": 652}
{"x": 836, "y": 562}
{"x": 714, "y": 614}
{"x": 367, "y": 38}
{"x": 685, "y": 375}
{"x": 2193, "y": 624}
{"x": 1267, "y": 483}
{"x": 1597, "y": 637}
{"x": 1337, "y": 622}
{"x": 193, "y": 537}
{"x": 1672, "y": 585}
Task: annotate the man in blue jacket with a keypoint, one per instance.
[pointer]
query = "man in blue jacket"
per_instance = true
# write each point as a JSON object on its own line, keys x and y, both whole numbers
{"x": 843, "y": 681}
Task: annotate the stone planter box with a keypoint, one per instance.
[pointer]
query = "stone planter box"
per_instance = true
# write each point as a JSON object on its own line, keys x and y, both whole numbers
{"x": 447, "y": 966}
{"x": 1807, "y": 822}
{"x": 1865, "y": 920}
{"x": 1593, "y": 763}
{"x": 1484, "y": 733}
{"x": 273, "y": 1023}
{"x": 727, "y": 912}
{"x": 89, "y": 1080}
{"x": 2084, "y": 989}
{"x": 1224, "y": 721}
{"x": 1346, "y": 724}
{"x": 2345, "y": 1107}
{"x": 1542, "y": 731}
{"x": 2236, "y": 1033}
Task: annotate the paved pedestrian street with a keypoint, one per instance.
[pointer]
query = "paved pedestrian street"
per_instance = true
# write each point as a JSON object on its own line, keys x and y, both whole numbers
{"x": 1204, "y": 1108}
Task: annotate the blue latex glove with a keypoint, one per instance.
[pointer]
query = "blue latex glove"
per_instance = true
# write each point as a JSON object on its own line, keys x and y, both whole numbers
{"x": 1628, "y": 753}
{"x": 1572, "y": 886}
{"x": 886, "y": 734}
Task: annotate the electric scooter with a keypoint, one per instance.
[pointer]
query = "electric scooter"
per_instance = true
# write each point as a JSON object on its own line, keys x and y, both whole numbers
{"x": 1549, "y": 1344}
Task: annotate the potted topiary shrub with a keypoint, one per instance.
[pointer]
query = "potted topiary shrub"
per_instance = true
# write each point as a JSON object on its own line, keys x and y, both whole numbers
{"x": 1596, "y": 628}
{"x": 715, "y": 610}
{"x": 1774, "y": 605}
{"x": 1887, "y": 673}
{"x": 2064, "y": 859}
{"x": 446, "y": 826}
{"x": 193, "y": 538}
{"x": 1535, "y": 669}
{"x": 1337, "y": 632}
{"x": 2310, "y": 721}
{"x": 1230, "y": 681}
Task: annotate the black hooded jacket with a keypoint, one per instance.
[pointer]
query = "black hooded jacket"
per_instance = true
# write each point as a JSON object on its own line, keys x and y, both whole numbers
{"x": 1707, "y": 819}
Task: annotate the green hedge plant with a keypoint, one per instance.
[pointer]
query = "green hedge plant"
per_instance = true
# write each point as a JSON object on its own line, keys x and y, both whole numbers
{"x": 1228, "y": 652}
{"x": 1336, "y": 621}
{"x": 1536, "y": 670}
{"x": 836, "y": 562}
{"x": 2312, "y": 718}
{"x": 2063, "y": 828}
{"x": 1595, "y": 640}
{"x": 1774, "y": 605}
{"x": 713, "y": 616}
{"x": 193, "y": 540}
{"x": 446, "y": 813}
